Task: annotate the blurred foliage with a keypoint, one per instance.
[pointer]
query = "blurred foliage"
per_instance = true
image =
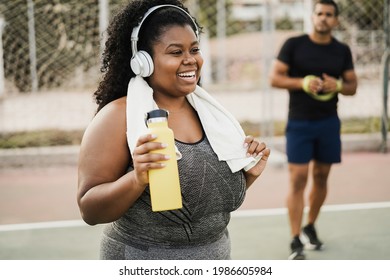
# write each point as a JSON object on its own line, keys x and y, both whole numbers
{"x": 284, "y": 24}
{"x": 46, "y": 138}
{"x": 42, "y": 138}
{"x": 348, "y": 126}
{"x": 361, "y": 125}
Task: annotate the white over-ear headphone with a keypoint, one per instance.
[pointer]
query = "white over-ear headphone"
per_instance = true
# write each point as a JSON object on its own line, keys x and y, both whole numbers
{"x": 141, "y": 62}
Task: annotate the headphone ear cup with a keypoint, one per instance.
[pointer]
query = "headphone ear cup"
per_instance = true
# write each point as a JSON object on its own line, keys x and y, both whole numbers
{"x": 142, "y": 64}
{"x": 135, "y": 65}
{"x": 147, "y": 62}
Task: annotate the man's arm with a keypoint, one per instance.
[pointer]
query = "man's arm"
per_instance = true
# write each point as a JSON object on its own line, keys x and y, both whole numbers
{"x": 349, "y": 83}
{"x": 279, "y": 77}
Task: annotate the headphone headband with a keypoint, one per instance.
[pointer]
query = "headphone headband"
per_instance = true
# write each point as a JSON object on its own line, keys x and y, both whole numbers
{"x": 134, "y": 33}
{"x": 141, "y": 62}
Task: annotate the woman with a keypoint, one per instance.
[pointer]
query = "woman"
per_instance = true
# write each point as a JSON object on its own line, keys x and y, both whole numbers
{"x": 113, "y": 174}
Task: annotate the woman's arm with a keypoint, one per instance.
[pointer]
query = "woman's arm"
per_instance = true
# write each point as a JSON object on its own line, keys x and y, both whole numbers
{"x": 105, "y": 189}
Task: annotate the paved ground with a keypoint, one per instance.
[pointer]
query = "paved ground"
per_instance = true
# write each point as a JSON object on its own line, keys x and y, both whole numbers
{"x": 355, "y": 223}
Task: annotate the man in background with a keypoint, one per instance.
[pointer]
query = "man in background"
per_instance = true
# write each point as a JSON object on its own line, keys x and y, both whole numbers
{"x": 314, "y": 68}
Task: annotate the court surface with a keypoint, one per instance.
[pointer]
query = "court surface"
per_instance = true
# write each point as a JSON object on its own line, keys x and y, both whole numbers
{"x": 39, "y": 218}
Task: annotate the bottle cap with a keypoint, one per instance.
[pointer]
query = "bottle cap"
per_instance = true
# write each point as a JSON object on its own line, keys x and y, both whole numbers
{"x": 159, "y": 113}
{"x": 155, "y": 115}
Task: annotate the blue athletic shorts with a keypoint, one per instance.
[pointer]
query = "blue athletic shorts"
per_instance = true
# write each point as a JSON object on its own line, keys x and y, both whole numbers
{"x": 313, "y": 139}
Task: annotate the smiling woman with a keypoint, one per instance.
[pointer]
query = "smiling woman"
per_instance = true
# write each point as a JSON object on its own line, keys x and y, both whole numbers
{"x": 216, "y": 161}
{"x": 178, "y": 63}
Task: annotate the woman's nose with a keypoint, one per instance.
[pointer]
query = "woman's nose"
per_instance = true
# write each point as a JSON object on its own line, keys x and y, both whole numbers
{"x": 189, "y": 59}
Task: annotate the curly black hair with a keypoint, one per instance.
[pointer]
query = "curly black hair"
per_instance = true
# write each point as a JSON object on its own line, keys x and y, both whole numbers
{"x": 117, "y": 54}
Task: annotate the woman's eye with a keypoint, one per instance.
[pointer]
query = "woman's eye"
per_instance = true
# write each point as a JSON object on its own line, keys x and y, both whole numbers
{"x": 195, "y": 50}
{"x": 177, "y": 52}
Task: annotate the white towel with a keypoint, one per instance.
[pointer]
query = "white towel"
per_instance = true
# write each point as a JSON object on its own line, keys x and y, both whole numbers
{"x": 223, "y": 131}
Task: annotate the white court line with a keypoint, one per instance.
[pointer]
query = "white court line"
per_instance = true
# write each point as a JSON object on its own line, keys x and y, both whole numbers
{"x": 325, "y": 208}
{"x": 238, "y": 214}
{"x": 43, "y": 225}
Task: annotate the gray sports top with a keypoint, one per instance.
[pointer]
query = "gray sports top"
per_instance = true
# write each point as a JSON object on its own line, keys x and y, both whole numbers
{"x": 210, "y": 191}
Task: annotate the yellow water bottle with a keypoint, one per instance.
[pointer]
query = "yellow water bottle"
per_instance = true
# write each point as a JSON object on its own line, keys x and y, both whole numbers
{"x": 164, "y": 183}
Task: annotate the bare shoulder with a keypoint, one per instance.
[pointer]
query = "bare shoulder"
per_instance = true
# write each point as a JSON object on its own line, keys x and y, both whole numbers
{"x": 114, "y": 113}
{"x": 109, "y": 124}
{"x": 116, "y": 108}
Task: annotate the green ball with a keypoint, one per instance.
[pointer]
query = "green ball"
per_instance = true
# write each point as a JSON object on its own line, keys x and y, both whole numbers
{"x": 323, "y": 97}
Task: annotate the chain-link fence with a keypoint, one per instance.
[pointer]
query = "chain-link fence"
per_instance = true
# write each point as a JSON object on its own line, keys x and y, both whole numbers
{"x": 54, "y": 43}
{"x": 47, "y": 44}
{"x": 51, "y": 44}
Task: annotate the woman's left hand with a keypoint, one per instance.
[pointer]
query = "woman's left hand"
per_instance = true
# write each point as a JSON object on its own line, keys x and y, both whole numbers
{"x": 256, "y": 149}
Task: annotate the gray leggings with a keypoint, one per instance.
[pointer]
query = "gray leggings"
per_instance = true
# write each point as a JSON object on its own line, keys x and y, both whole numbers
{"x": 112, "y": 249}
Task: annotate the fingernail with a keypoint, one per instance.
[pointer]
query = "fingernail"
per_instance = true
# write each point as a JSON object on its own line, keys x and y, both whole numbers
{"x": 163, "y": 145}
{"x": 245, "y": 145}
{"x": 167, "y": 156}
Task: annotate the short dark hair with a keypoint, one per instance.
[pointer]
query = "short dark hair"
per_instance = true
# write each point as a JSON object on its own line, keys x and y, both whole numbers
{"x": 329, "y": 2}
